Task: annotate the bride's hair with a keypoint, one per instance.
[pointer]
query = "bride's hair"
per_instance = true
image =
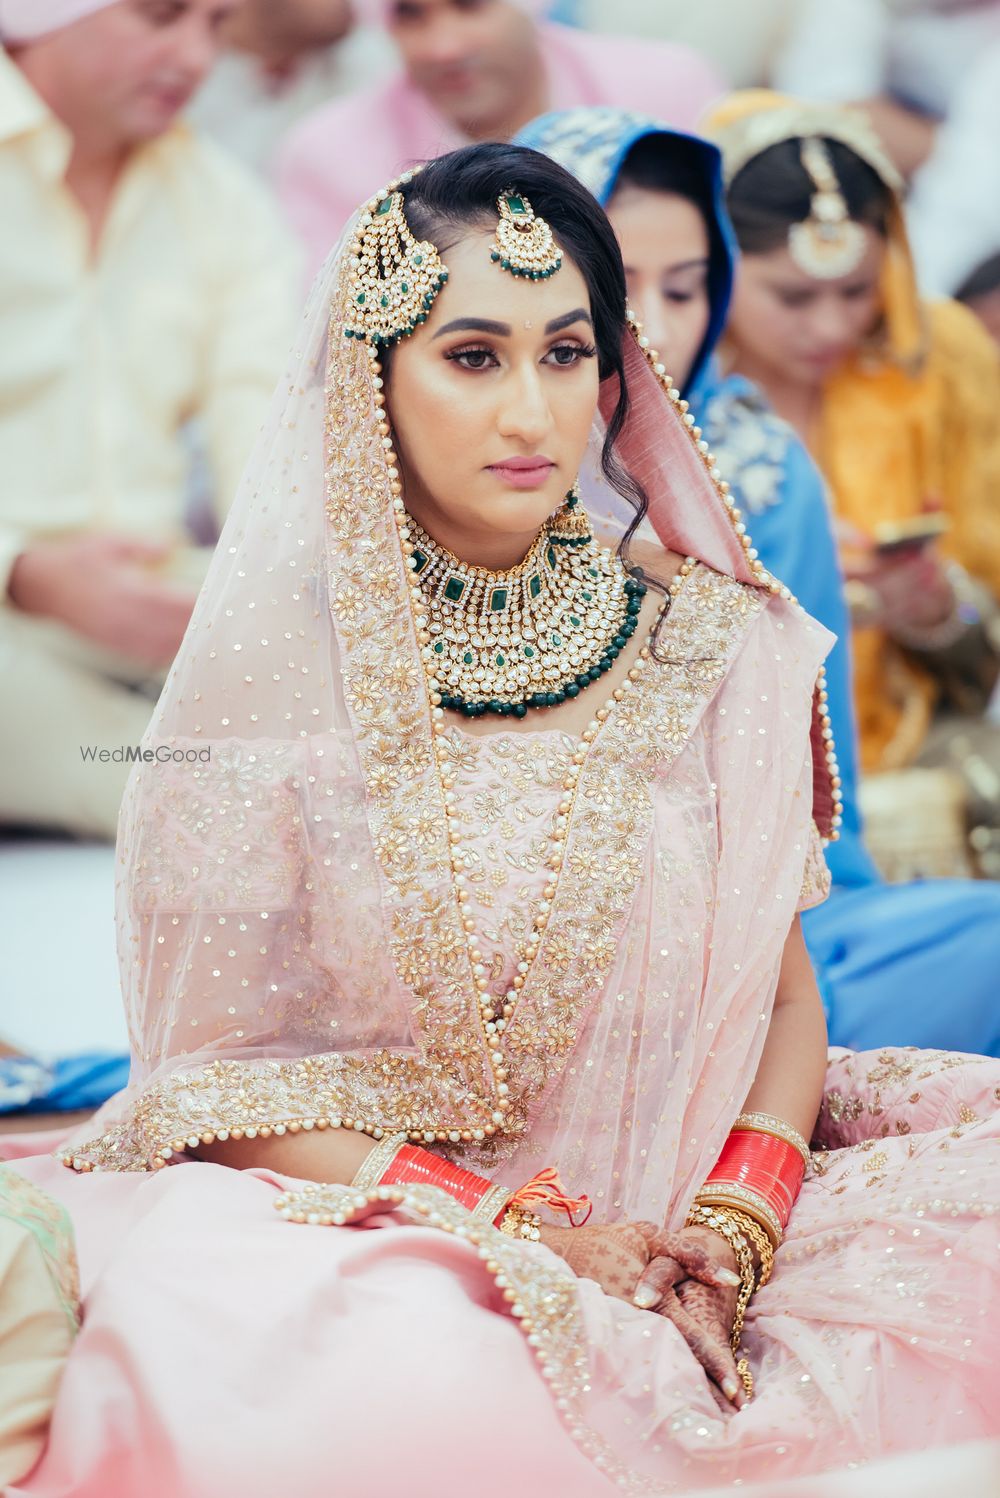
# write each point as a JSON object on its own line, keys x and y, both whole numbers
{"x": 459, "y": 191}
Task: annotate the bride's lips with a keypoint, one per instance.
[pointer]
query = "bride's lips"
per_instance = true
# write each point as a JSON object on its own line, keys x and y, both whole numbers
{"x": 523, "y": 473}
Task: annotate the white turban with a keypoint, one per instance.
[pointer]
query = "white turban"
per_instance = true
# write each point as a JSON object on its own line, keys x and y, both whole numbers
{"x": 26, "y": 20}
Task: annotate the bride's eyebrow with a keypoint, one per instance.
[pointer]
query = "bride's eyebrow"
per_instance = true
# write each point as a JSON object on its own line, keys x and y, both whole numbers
{"x": 579, "y": 314}
{"x": 504, "y": 329}
{"x": 475, "y": 325}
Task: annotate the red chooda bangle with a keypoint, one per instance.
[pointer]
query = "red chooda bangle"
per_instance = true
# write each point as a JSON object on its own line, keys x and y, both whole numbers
{"x": 413, "y": 1165}
{"x": 764, "y": 1164}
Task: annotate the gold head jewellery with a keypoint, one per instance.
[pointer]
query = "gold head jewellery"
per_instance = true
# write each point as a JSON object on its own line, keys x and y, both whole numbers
{"x": 524, "y": 244}
{"x": 828, "y": 243}
{"x": 394, "y": 277}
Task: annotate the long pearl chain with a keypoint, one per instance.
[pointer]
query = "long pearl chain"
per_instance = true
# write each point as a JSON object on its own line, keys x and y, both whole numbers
{"x": 493, "y": 1022}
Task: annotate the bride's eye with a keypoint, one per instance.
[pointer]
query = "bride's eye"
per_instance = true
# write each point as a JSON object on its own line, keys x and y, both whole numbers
{"x": 565, "y": 355}
{"x": 473, "y": 358}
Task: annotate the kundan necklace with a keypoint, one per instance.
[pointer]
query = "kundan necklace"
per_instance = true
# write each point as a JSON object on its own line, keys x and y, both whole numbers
{"x": 532, "y": 636}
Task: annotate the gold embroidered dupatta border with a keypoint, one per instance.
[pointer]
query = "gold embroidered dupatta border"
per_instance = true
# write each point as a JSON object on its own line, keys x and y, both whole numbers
{"x": 444, "y": 1089}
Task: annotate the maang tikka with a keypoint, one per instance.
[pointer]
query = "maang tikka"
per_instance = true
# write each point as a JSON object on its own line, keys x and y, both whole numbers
{"x": 524, "y": 243}
{"x": 828, "y": 243}
{"x": 395, "y": 278}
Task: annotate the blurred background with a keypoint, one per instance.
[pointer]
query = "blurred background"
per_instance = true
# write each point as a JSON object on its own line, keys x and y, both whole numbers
{"x": 172, "y": 172}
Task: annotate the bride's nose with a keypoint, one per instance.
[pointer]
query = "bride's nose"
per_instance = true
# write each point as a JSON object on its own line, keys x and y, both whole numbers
{"x": 524, "y": 412}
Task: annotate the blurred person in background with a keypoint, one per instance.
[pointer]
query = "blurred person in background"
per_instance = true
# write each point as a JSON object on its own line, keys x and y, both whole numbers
{"x": 883, "y": 954}
{"x": 471, "y": 70}
{"x": 742, "y": 38}
{"x": 927, "y": 72}
{"x": 283, "y": 59}
{"x": 145, "y": 282}
{"x": 980, "y": 292}
{"x": 898, "y": 400}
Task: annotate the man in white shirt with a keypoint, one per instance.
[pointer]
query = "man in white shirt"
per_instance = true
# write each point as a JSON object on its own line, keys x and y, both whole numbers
{"x": 144, "y": 281}
{"x": 928, "y": 73}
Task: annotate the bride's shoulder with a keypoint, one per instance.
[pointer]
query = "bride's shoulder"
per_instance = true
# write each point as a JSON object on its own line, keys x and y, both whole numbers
{"x": 656, "y": 560}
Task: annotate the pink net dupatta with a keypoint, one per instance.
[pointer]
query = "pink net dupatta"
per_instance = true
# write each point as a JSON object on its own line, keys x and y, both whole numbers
{"x": 292, "y": 950}
{"x": 709, "y": 526}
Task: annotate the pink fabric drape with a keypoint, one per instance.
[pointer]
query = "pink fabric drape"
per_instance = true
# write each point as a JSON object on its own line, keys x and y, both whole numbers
{"x": 292, "y": 956}
{"x": 26, "y": 20}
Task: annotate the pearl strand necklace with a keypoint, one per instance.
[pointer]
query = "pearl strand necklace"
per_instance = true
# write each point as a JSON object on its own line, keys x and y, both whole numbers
{"x": 493, "y": 1023}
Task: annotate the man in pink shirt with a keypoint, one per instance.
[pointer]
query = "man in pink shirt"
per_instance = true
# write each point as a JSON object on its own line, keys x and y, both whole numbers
{"x": 471, "y": 70}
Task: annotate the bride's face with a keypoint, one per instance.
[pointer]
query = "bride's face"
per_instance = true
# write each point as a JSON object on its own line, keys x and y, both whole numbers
{"x": 491, "y": 404}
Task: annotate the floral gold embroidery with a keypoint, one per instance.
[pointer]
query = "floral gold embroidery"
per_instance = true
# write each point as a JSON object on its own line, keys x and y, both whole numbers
{"x": 437, "y": 1081}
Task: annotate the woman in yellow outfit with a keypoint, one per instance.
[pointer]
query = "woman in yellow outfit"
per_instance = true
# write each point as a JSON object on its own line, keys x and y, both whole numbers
{"x": 899, "y": 402}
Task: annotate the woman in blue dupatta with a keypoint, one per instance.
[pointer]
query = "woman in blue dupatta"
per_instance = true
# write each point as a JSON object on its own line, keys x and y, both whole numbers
{"x": 904, "y": 964}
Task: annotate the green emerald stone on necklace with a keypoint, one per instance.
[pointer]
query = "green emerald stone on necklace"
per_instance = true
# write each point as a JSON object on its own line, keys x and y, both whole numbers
{"x": 384, "y": 207}
{"x": 453, "y": 589}
{"x": 498, "y": 600}
{"x": 534, "y": 585}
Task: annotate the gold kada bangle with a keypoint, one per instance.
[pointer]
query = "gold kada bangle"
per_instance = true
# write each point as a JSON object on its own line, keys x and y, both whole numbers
{"x": 737, "y": 1198}
{"x": 375, "y": 1164}
{"x": 739, "y": 1232}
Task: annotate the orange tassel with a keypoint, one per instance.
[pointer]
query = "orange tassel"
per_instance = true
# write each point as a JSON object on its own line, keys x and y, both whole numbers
{"x": 546, "y": 1190}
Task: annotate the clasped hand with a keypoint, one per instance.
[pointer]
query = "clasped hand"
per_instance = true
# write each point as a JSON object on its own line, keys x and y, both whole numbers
{"x": 688, "y": 1276}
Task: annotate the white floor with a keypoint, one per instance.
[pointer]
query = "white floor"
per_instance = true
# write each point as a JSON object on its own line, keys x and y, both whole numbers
{"x": 970, "y": 1470}
{"x": 59, "y": 989}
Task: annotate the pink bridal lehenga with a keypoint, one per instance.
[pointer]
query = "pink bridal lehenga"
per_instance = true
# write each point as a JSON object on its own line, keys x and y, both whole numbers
{"x": 293, "y": 958}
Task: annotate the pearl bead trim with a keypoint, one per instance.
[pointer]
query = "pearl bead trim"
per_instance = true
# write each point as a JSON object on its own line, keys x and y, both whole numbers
{"x": 758, "y": 571}
{"x": 538, "y": 1293}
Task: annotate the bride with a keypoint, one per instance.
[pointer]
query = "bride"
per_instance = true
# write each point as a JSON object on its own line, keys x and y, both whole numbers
{"x": 464, "y": 972}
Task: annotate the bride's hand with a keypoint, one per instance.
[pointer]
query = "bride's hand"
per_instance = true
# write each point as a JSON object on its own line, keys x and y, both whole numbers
{"x": 691, "y": 1279}
{"x": 614, "y": 1255}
